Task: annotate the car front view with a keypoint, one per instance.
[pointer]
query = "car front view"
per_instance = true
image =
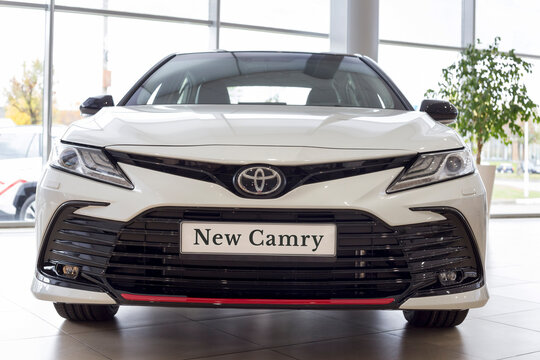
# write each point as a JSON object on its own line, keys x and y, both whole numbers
{"x": 266, "y": 180}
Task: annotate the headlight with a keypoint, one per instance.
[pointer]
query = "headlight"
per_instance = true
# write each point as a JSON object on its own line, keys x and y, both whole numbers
{"x": 88, "y": 162}
{"x": 433, "y": 168}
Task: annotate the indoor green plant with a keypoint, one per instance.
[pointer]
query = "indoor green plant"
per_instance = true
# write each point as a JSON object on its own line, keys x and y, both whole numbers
{"x": 486, "y": 86}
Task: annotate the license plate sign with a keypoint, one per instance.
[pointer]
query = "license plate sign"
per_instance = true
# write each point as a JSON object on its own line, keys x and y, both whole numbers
{"x": 257, "y": 239}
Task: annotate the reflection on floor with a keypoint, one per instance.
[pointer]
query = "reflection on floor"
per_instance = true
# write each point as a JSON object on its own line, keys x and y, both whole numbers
{"x": 509, "y": 326}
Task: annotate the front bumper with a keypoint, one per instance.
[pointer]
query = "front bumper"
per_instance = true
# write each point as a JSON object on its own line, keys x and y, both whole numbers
{"x": 397, "y": 211}
{"x": 44, "y": 290}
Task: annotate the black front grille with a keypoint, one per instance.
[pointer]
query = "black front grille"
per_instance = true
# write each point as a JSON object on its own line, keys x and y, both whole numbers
{"x": 295, "y": 176}
{"x": 373, "y": 260}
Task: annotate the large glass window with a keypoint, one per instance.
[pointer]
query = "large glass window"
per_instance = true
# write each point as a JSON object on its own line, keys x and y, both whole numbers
{"x": 305, "y": 15}
{"x": 532, "y": 81}
{"x": 415, "y": 70}
{"x": 515, "y": 22}
{"x": 513, "y": 191}
{"x": 96, "y": 54}
{"x": 81, "y": 69}
{"x": 238, "y": 39}
{"x": 197, "y": 9}
{"x": 421, "y": 21}
{"x": 21, "y": 86}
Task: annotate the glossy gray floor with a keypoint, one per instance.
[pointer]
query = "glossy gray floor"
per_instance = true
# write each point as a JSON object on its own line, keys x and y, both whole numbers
{"x": 508, "y": 327}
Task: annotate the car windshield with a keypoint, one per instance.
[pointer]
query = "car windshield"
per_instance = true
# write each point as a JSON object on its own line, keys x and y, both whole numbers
{"x": 266, "y": 78}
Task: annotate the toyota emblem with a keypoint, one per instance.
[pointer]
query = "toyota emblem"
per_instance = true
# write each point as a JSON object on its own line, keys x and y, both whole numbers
{"x": 259, "y": 180}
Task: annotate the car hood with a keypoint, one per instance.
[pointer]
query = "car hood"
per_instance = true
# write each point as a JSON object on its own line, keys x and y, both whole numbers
{"x": 263, "y": 125}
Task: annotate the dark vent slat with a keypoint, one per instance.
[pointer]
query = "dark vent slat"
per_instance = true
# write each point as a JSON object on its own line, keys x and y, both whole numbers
{"x": 76, "y": 258}
{"x": 284, "y": 291}
{"x": 83, "y": 248}
{"x": 368, "y": 247}
{"x": 154, "y": 244}
{"x": 94, "y": 225}
{"x": 171, "y": 256}
{"x": 425, "y": 254}
{"x": 424, "y": 234}
{"x": 266, "y": 283}
{"x": 410, "y": 245}
{"x": 93, "y": 271}
{"x": 172, "y": 220}
{"x": 149, "y": 232}
{"x": 436, "y": 264}
{"x": 382, "y": 237}
{"x": 254, "y": 271}
{"x": 90, "y": 237}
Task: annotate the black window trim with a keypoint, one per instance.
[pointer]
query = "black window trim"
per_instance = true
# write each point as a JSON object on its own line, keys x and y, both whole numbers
{"x": 373, "y": 66}
{"x": 143, "y": 79}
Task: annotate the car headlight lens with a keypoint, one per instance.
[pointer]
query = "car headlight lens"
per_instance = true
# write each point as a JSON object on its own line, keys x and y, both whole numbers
{"x": 433, "y": 168}
{"x": 88, "y": 162}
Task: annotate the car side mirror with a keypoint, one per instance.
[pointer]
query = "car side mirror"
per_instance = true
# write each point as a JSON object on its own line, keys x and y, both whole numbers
{"x": 93, "y": 104}
{"x": 440, "y": 110}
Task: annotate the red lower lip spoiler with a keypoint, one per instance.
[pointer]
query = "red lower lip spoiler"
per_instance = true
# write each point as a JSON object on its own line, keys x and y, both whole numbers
{"x": 219, "y": 301}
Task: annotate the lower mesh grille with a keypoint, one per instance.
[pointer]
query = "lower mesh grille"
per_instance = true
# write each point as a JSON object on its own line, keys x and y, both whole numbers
{"x": 373, "y": 260}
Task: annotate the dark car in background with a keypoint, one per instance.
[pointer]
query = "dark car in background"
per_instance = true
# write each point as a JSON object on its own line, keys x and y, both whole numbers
{"x": 505, "y": 168}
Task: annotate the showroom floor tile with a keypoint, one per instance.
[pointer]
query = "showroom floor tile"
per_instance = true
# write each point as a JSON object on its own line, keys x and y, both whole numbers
{"x": 478, "y": 337}
{"x": 183, "y": 340}
{"x": 54, "y": 347}
{"x": 506, "y": 328}
{"x": 381, "y": 346}
{"x": 523, "y": 319}
{"x": 291, "y": 327}
{"x": 251, "y": 355}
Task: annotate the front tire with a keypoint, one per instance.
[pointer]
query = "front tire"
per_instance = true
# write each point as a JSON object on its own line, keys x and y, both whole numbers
{"x": 86, "y": 312}
{"x": 27, "y": 212}
{"x": 435, "y": 318}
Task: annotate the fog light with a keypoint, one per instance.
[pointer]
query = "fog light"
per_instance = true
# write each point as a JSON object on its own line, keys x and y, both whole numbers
{"x": 450, "y": 277}
{"x": 70, "y": 271}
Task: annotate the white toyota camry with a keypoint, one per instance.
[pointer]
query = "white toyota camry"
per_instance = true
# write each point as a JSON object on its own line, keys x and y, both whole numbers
{"x": 263, "y": 179}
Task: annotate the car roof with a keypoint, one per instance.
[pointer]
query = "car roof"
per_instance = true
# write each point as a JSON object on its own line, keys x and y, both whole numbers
{"x": 266, "y": 52}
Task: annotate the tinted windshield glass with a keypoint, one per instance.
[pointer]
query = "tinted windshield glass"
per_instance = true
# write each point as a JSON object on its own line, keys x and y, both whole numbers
{"x": 266, "y": 78}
